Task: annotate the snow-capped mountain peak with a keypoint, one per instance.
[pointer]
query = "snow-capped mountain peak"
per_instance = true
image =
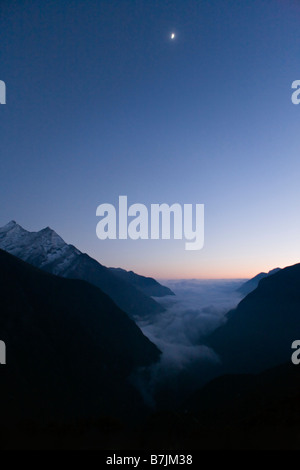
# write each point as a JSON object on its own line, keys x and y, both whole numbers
{"x": 48, "y": 251}
{"x": 41, "y": 248}
{"x": 8, "y": 226}
{"x": 12, "y": 225}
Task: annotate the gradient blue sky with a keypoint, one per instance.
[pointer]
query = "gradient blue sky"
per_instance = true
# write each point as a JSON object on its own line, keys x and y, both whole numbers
{"x": 100, "y": 103}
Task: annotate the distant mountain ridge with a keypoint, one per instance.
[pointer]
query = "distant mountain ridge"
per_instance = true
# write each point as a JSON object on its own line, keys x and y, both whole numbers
{"x": 70, "y": 349}
{"x": 252, "y": 284}
{"x": 147, "y": 285}
{"x": 46, "y": 250}
{"x": 258, "y": 334}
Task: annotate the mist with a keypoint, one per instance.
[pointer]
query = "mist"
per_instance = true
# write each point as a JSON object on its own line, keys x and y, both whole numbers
{"x": 197, "y": 309}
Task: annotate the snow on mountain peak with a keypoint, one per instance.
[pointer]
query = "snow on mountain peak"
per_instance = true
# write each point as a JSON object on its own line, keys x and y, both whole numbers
{"x": 48, "y": 235}
{"x": 39, "y": 248}
{"x": 12, "y": 224}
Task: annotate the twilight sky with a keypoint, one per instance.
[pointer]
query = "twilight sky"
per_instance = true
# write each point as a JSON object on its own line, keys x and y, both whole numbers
{"x": 101, "y": 103}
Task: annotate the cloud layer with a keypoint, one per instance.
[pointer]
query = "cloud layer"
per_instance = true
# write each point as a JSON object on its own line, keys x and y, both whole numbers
{"x": 197, "y": 309}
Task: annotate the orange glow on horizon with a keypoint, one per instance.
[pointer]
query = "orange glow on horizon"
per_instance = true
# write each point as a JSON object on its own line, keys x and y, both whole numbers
{"x": 209, "y": 272}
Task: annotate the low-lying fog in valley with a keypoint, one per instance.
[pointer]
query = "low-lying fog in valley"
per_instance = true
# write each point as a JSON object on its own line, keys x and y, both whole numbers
{"x": 198, "y": 308}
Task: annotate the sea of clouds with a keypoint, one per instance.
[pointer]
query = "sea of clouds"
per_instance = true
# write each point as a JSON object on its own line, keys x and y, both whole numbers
{"x": 197, "y": 309}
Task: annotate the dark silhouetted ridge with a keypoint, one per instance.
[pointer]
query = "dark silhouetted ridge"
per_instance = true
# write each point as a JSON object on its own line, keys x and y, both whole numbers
{"x": 70, "y": 349}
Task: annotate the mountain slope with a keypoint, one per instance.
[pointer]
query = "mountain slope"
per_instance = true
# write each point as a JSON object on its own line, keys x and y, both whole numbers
{"x": 252, "y": 284}
{"x": 233, "y": 412}
{"x": 147, "y": 285}
{"x": 258, "y": 411}
{"x": 241, "y": 396}
{"x": 48, "y": 251}
{"x": 260, "y": 331}
{"x": 70, "y": 349}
